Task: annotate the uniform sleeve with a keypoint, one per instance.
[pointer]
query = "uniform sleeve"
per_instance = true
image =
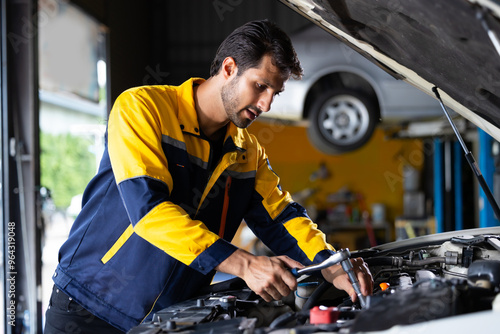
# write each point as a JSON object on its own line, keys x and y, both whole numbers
{"x": 282, "y": 224}
{"x": 144, "y": 181}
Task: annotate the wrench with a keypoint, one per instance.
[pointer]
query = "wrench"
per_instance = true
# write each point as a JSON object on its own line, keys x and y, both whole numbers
{"x": 342, "y": 257}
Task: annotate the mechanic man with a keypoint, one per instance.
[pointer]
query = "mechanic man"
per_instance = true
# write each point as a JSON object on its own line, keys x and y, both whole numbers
{"x": 179, "y": 174}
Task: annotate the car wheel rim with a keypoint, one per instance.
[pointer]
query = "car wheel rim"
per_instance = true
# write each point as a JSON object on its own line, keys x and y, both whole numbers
{"x": 343, "y": 119}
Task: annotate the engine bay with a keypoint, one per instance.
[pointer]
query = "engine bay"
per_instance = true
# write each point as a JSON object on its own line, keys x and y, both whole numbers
{"x": 414, "y": 283}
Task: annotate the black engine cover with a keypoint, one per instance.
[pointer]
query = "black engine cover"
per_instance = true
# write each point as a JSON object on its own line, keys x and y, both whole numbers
{"x": 429, "y": 301}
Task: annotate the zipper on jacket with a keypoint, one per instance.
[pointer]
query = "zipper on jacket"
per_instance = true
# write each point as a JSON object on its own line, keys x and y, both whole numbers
{"x": 225, "y": 207}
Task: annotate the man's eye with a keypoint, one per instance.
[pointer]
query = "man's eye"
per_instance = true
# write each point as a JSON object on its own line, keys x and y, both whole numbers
{"x": 260, "y": 86}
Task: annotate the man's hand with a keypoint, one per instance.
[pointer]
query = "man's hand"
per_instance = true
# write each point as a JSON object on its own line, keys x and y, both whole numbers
{"x": 338, "y": 277}
{"x": 269, "y": 277}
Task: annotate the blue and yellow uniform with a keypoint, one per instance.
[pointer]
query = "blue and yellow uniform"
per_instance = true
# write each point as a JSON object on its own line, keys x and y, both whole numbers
{"x": 160, "y": 214}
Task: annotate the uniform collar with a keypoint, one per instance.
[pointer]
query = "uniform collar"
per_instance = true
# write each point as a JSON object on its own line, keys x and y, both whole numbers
{"x": 189, "y": 119}
{"x": 237, "y": 137}
{"x": 187, "y": 116}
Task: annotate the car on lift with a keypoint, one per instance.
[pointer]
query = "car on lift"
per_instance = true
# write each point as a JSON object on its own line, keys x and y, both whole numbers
{"x": 343, "y": 96}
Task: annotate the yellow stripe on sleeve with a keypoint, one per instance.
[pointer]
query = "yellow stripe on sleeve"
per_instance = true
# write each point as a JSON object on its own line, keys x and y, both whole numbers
{"x": 170, "y": 228}
{"x": 309, "y": 238}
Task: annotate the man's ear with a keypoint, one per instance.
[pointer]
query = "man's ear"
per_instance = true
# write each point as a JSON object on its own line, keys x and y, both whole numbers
{"x": 229, "y": 67}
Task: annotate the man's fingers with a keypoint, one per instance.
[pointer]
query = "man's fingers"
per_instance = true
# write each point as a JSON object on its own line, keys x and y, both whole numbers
{"x": 270, "y": 277}
{"x": 274, "y": 291}
{"x": 343, "y": 283}
{"x": 287, "y": 282}
{"x": 366, "y": 282}
{"x": 265, "y": 296}
{"x": 341, "y": 280}
{"x": 284, "y": 282}
{"x": 290, "y": 263}
{"x": 278, "y": 293}
{"x": 290, "y": 282}
{"x": 364, "y": 276}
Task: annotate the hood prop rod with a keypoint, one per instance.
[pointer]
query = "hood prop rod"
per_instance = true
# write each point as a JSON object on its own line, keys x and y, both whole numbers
{"x": 480, "y": 15}
{"x": 470, "y": 158}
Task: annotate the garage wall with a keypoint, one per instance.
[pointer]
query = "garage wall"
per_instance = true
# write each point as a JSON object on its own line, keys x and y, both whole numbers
{"x": 168, "y": 41}
{"x": 376, "y": 171}
{"x": 189, "y": 32}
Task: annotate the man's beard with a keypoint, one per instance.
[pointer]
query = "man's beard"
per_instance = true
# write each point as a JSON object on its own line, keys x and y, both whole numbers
{"x": 230, "y": 101}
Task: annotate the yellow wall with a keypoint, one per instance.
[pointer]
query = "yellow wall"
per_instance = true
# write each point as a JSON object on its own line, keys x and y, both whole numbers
{"x": 375, "y": 171}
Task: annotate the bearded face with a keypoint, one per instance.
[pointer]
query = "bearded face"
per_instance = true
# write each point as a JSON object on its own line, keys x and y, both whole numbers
{"x": 246, "y": 95}
{"x": 232, "y": 105}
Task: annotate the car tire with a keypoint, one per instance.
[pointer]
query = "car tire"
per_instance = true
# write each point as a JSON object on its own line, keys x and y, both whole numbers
{"x": 342, "y": 120}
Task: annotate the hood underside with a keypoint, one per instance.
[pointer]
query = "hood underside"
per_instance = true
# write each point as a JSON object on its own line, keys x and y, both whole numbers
{"x": 445, "y": 44}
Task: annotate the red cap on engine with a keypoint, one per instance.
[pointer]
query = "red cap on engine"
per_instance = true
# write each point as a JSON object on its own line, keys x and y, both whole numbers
{"x": 323, "y": 315}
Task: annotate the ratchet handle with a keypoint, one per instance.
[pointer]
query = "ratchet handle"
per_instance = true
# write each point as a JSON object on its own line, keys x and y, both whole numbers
{"x": 347, "y": 266}
{"x": 336, "y": 258}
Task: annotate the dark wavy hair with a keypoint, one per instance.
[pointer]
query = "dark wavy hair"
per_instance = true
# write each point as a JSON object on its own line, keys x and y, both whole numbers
{"x": 250, "y": 42}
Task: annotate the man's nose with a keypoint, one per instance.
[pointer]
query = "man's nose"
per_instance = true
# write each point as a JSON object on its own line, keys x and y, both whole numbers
{"x": 265, "y": 102}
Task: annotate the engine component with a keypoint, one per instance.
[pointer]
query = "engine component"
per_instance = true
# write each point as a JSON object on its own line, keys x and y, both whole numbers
{"x": 485, "y": 274}
{"x": 423, "y": 275}
{"x": 438, "y": 300}
{"x": 323, "y": 315}
{"x": 304, "y": 291}
{"x": 413, "y": 285}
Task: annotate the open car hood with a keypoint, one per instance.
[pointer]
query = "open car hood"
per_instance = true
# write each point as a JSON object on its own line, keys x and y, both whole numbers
{"x": 445, "y": 44}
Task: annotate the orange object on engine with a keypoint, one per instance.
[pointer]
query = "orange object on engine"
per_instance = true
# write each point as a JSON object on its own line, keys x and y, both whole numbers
{"x": 384, "y": 286}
